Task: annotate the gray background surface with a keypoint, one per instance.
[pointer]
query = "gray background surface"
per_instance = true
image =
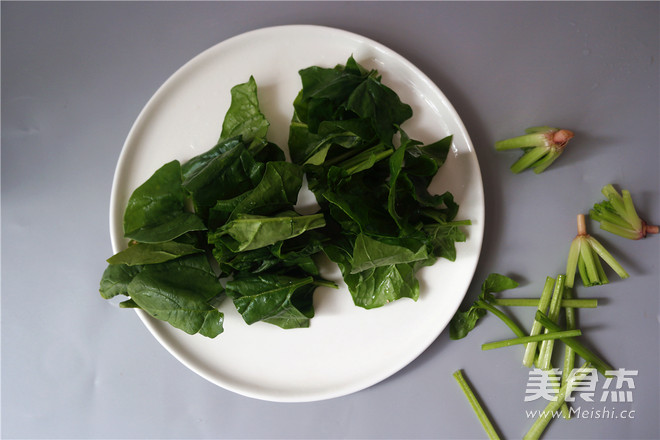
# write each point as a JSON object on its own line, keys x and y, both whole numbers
{"x": 76, "y": 75}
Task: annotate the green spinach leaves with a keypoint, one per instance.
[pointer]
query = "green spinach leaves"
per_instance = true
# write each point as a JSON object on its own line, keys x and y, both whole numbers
{"x": 243, "y": 238}
{"x": 383, "y": 224}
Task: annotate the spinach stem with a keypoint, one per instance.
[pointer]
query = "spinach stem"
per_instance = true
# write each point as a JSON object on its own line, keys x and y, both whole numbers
{"x": 508, "y": 321}
{"x": 548, "y": 413}
{"x": 614, "y": 228}
{"x": 608, "y": 258}
{"x": 576, "y": 303}
{"x": 572, "y": 262}
{"x": 366, "y": 158}
{"x": 325, "y": 283}
{"x": 528, "y": 159}
{"x": 544, "y": 163}
{"x": 476, "y": 405}
{"x": 544, "y": 301}
{"x": 536, "y": 338}
{"x": 582, "y": 351}
{"x": 587, "y": 257}
{"x": 569, "y": 353}
{"x": 526, "y": 140}
{"x": 553, "y": 313}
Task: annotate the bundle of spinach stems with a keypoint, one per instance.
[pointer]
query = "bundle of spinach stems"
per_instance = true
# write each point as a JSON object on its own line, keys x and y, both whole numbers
{"x": 244, "y": 240}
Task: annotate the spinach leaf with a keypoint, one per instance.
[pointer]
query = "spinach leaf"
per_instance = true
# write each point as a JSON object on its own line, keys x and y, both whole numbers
{"x": 223, "y": 177}
{"x": 398, "y": 188}
{"x": 193, "y": 165}
{"x": 381, "y": 105}
{"x": 369, "y": 253}
{"x": 247, "y": 232}
{"x": 282, "y": 257}
{"x": 253, "y": 261}
{"x": 343, "y": 128}
{"x": 281, "y": 300}
{"x": 465, "y": 320}
{"x": 156, "y": 210}
{"x": 179, "y": 292}
{"x": 381, "y": 285}
{"x": 412, "y": 168}
{"x": 244, "y": 118}
{"x": 297, "y": 311}
{"x": 278, "y": 189}
{"x": 376, "y": 286}
{"x": 300, "y": 251}
{"x": 346, "y": 106}
{"x": 151, "y": 253}
{"x": 426, "y": 160}
{"x": 115, "y": 280}
{"x": 377, "y": 219}
{"x": 444, "y": 237}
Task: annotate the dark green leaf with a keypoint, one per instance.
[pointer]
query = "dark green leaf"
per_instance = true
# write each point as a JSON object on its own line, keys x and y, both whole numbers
{"x": 192, "y": 166}
{"x": 425, "y": 160}
{"x": 174, "y": 226}
{"x": 373, "y": 100}
{"x": 369, "y": 253}
{"x": 151, "y": 253}
{"x": 464, "y": 321}
{"x": 115, "y": 280}
{"x": 376, "y": 287}
{"x": 271, "y": 297}
{"x": 496, "y": 283}
{"x": 179, "y": 292}
{"x": 277, "y": 190}
{"x": 156, "y": 211}
{"x": 225, "y": 176}
{"x": 244, "y": 118}
{"x": 443, "y": 237}
{"x": 247, "y": 232}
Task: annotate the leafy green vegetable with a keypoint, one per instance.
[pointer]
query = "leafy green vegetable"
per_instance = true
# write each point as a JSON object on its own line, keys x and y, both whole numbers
{"x": 156, "y": 209}
{"x": 343, "y": 134}
{"x": 464, "y": 321}
{"x": 151, "y": 253}
{"x": 618, "y": 215}
{"x": 277, "y": 190}
{"x": 165, "y": 270}
{"x": 244, "y": 118}
{"x": 369, "y": 253}
{"x": 247, "y": 232}
{"x": 116, "y": 278}
{"x": 377, "y": 219}
{"x": 223, "y": 177}
{"x": 281, "y": 300}
{"x": 381, "y": 285}
{"x": 179, "y": 292}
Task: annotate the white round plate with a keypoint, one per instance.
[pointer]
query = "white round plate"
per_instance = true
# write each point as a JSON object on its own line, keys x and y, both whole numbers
{"x": 346, "y": 348}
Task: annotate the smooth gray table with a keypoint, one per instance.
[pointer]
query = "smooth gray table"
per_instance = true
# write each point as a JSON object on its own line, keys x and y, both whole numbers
{"x": 75, "y": 76}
